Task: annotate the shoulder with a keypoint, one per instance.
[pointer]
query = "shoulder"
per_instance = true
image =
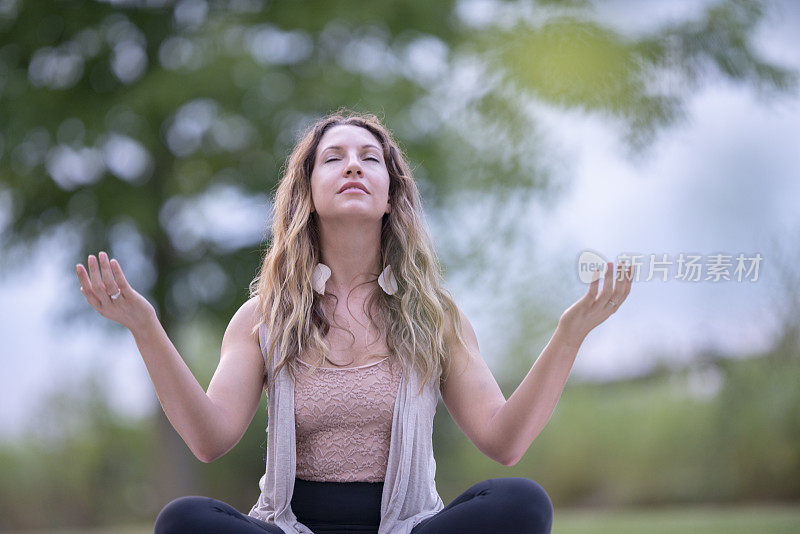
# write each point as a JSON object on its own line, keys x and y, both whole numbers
{"x": 460, "y": 354}
{"x": 244, "y": 325}
{"x": 247, "y": 316}
{"x": 463, "y": 325}
{"x": 251, "y": 306}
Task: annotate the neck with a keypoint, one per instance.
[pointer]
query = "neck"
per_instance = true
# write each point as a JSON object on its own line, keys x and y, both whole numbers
{"x": 352, "y": 251}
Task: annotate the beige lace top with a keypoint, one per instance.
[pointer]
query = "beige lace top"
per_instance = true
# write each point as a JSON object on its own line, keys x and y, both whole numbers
{"x": 343, "y": 421}
{"x": 409, "y": 490}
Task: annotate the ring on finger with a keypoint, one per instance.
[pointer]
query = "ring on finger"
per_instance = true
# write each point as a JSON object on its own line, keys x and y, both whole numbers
{"x": 116, "y": 295}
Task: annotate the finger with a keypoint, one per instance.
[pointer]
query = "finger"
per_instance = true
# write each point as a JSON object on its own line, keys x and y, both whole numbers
{"x": 108, "y": 277}
{"x": 621, "y": 286}
{"x": 624, "y": 275}
{"x": 122, "y": 282}
{"x": 593, "y": 286}
{"x": 628, "y": 281}
{"x": 622, "y": 272}
{"x": 86, "y": 285}
{"x": 83, "y": 277}
{"x": 97, "y": 287}
{"x": 605, "y": 294}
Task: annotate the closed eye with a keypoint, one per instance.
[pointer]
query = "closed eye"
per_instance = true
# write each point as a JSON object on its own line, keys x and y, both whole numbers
{"x": 373, "y": 158}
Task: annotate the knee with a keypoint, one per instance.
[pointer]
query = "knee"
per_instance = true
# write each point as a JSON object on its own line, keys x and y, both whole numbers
{"x": 527, "y": 503}
{"x": 179, "y": 515}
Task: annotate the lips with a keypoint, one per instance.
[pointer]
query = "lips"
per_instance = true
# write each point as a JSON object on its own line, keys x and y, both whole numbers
{"x": 349, "y": 185}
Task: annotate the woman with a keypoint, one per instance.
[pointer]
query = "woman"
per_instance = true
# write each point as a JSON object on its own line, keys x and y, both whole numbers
{"x": 351, "y": 335}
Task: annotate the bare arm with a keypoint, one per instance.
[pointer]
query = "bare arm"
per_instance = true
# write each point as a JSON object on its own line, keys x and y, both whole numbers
{"x": 210, "y": 423}
{"x": 190, "y": 411}
{"x": 239, "y": 379}
{"x": 530, "y": 407}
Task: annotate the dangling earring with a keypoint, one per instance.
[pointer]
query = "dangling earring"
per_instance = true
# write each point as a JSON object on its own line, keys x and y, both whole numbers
{"x": 387, "y": 281}
{"x": 322, "y": 272}
{"x": 319, "y": 277}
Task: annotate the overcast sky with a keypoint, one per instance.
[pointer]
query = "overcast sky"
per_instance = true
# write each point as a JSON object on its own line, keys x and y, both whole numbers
{"x": 723, "y": 182}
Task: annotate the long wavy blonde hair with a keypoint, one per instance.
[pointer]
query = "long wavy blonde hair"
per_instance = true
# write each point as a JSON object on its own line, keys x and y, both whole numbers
{"x": 418, "y": 319}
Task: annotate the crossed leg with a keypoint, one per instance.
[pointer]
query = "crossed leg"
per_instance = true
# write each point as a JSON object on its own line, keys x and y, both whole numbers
{"x": 509, "y": 504}
{"x": 206, "y": 515}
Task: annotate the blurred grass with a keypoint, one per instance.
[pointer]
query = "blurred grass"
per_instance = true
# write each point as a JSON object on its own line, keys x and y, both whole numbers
{"x": 610, "y": 452}
{"x": 658, "y": 440}
{"x": 127, "y": 529}
{"x": 669, "y": 520}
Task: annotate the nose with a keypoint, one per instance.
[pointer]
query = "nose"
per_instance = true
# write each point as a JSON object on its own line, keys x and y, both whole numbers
{"x": 353, "y": 168}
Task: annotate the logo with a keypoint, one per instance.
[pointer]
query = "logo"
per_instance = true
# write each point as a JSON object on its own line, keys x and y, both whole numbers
{"x": 591, "y": 266}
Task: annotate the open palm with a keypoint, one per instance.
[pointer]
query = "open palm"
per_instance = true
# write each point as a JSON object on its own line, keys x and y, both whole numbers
{"x": 591, "y": 310}
{"x": 104, "y": 279}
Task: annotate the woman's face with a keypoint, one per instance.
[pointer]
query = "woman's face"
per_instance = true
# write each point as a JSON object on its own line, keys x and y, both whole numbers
{"x": 345, "y": 154}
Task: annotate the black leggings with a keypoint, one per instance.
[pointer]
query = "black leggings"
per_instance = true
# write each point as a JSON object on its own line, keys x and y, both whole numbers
{"x": 509, "y": 504}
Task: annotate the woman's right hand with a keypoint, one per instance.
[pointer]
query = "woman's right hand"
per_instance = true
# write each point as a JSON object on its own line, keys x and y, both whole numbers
{"x": 130, "y": 309}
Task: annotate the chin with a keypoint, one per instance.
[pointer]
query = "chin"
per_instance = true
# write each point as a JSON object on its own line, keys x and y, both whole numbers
{"x": 354, "y": 214}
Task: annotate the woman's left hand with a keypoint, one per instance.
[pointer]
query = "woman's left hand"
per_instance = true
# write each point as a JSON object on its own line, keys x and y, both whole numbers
{"x": 591, "y": 310}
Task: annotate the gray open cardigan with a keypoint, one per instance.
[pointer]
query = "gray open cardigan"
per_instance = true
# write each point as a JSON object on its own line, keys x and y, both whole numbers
{"x": 409, "y": 489}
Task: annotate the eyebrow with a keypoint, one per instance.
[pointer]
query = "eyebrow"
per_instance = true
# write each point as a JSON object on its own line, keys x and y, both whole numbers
{"x": 337, "y": 147}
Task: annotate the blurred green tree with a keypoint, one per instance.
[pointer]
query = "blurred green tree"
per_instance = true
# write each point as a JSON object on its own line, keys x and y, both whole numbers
{"x": 125, "y": 123}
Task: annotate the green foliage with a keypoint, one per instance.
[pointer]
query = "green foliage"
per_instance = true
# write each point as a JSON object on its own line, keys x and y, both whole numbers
{"x": 668, "y": 438}
{"x": 672, "y": 519}
{"x": 653, "y": 440}
{"x": 662, "y": 520}
{"x": 83, "y": 466}
{"x": 460, "y": 135}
